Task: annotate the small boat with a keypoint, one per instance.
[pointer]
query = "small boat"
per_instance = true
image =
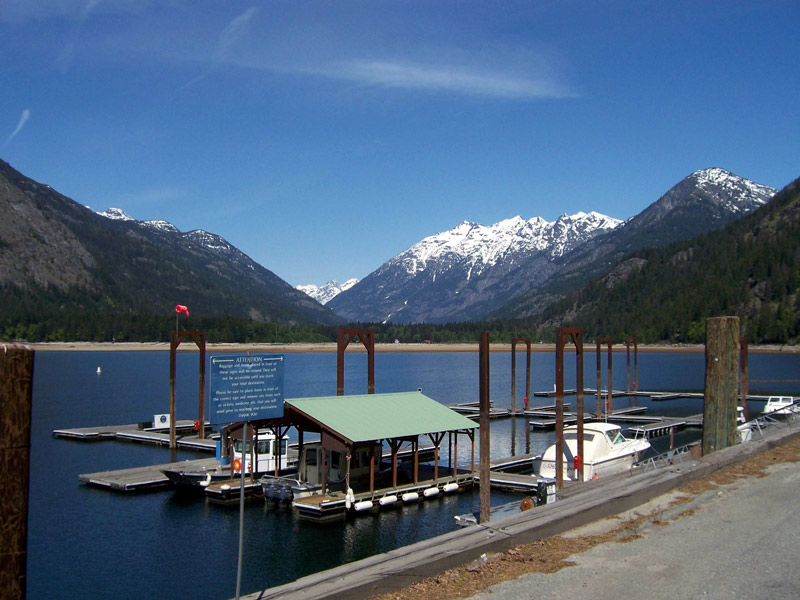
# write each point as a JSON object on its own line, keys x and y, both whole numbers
{"x": 781, "y": 405}
{"x": 605, "y": 452}
{"x": 265, "y": 452}
{"x": 308, "y": 480}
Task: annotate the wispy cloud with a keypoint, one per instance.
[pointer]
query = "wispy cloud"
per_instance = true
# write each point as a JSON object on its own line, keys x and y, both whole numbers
{"x": 227, "y": 41}
{"x": 449, "y": 79}
{"x": 68, "y": 53}
{"x": 26, "y": 114}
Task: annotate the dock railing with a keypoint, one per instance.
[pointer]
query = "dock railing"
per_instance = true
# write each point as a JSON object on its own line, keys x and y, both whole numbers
{"x": 665, "y": 459}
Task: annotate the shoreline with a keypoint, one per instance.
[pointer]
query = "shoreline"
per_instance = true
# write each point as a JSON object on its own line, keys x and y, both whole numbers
{"x": 356, "y": 346}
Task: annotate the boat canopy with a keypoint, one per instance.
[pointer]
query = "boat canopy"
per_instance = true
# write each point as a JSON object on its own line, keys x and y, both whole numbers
{"x": 362, "y": 418}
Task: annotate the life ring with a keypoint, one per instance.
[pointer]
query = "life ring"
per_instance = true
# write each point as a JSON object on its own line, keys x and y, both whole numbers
{"x": 237, "y": 465}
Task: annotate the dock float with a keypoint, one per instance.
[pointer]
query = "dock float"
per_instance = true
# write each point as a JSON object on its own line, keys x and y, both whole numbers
{"x": 142, "y": 478}
{"x": 186, "y": 435}
{"x": 330, "y": 507}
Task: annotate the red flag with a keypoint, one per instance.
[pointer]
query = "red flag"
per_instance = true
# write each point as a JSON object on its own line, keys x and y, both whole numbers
{"x": 180, "y": 308}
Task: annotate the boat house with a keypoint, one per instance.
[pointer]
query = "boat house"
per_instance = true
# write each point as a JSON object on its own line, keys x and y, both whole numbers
{"x": 344, "y": 466}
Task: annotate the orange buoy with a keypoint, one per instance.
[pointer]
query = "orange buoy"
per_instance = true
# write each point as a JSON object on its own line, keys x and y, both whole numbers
{"x": 237, "y": 464}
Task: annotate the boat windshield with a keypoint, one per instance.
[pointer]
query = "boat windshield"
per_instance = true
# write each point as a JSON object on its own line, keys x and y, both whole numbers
{"x": 616, "y": 438}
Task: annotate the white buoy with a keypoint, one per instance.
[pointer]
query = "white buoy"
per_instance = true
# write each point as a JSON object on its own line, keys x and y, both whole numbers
{"x": 431, "y": 492}
{"x": 363, "y": 505}
{"x": 450, "y": 487}
{"x": 410, "y": 497}
{"x": 99, "y": 370}
{"x": 387, "y": 500}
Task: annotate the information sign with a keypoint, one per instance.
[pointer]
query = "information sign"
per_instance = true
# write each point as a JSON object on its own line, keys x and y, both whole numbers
{"x": 246, "y": 387}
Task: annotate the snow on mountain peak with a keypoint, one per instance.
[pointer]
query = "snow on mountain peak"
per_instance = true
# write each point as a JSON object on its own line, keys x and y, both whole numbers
{"x": 720, "y": 180}
{"x": 324, "y": 294}
{"x": 115, "y": 214}
{"x": 476, "y": 246}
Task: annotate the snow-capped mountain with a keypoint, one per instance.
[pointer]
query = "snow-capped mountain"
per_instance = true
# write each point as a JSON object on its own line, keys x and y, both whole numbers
{"x": 461, "y": 273}
{"x": 706, "y": 200}
{"x": 325, "y": 293}
{"x": 212, "y": 241}
{"x": 472, "y": 271}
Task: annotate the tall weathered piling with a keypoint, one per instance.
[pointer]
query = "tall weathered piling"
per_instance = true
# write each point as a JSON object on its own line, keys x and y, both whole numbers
{"x": 16, "y": 385}
{"x": 485, "y": 406}
{"x": 721, "y": 383}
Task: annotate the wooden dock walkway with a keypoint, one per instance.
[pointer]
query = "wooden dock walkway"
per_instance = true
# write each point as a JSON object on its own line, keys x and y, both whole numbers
{"x": 186, "y": 436}
{"x": 142, "y": 478}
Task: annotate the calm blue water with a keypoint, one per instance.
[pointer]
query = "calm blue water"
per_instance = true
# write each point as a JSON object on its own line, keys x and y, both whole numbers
{"x": 86, "y": 541}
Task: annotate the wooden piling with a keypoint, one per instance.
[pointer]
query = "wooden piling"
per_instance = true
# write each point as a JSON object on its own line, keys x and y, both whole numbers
{"x": 16, "y": 385}
{"x": 721, "y": 383}
{"x": 485, "y": 475}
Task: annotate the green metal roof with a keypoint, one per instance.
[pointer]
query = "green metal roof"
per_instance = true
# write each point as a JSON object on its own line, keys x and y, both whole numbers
{"x": 381, "y": 416}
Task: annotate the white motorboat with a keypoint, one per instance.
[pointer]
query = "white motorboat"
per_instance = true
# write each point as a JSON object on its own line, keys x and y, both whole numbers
{"x": 605, "y": 452}
{"x": 781, "y": 405}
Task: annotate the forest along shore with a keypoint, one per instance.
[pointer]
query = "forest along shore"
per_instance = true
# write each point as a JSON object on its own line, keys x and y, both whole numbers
{"x": 358, "y": 347}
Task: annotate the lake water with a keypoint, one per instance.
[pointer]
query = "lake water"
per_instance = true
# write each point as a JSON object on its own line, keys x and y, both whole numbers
{"x": 85, "y": 541}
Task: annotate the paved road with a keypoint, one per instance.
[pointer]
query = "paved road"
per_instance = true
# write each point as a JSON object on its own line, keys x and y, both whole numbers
{"x": 742, "y": 542}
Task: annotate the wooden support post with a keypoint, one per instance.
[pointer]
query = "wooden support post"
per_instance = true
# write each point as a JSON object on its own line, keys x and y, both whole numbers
{"x": 344, "y": 337}
{"x": 372, "y": 468}
{"x": 721, "y": 383}
{"x": 628, "y": 342}
{"x": 485, "y": 498}
{"x": 514, "y": 343}
{"x": 562, "y": 336}
{"x": 610, "y": 396}
{"x": 454, "y": 454}
{"x": 16, "y": 385}
{"x": 415, "y": 447}
{"x": 175, "y": 339}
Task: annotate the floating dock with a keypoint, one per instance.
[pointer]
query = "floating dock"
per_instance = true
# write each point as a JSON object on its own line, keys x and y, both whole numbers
{"x": 138, "y": 479}
{"x": 322, "y": 508}
{"x": 186, "y": 436}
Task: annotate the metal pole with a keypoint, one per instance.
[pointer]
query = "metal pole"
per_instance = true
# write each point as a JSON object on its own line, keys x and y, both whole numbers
{"x": 559, "y": 409}
{"x": 173, "y": 347}
{"x": 745, "y": 376}
{"x": 241, "y": 516}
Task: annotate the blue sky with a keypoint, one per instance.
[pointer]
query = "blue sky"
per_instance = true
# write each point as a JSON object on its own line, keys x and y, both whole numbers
{"x": 323, "y": 138}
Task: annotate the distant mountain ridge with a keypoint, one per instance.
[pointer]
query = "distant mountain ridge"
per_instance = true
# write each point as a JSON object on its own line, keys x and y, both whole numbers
{"x": 706, "y": 200}
{"x": 325, "y": 293}
{"x": 459, "y": 274}
{"x": 748, "y": 269}
{"x": 57, "y": 256}
{"x": 515, "y": 268}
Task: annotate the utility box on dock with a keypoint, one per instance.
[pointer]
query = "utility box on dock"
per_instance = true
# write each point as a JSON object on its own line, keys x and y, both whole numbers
{"x": 545, "y": 491}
